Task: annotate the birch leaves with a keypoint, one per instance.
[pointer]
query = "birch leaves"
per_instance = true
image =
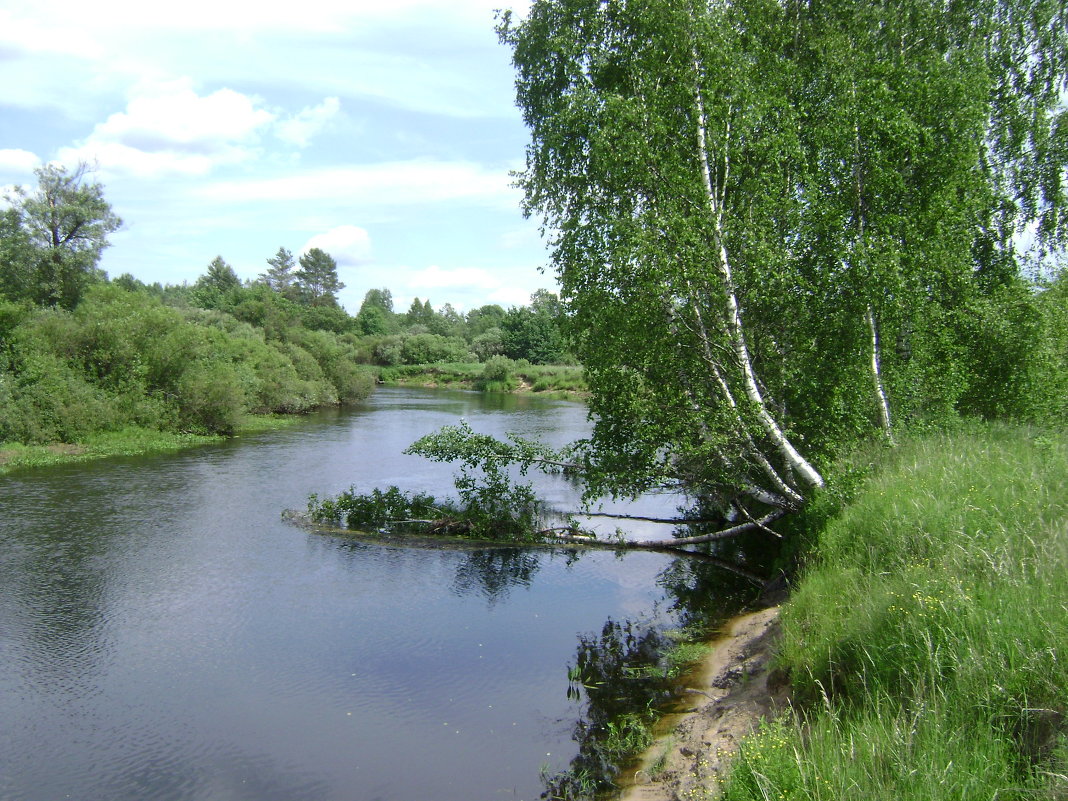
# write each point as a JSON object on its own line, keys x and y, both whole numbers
{"x": 764, "y": 216}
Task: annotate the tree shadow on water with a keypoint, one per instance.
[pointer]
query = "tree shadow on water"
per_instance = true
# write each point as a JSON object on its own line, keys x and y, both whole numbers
{"x": 625, "y": 675}
{"x": 493, "y": 572}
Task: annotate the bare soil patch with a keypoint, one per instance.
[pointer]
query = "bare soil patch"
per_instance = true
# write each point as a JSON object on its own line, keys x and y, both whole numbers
{"x": 734, "y": 688}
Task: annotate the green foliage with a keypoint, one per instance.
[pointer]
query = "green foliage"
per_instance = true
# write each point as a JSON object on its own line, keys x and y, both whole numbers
{"x": 510, "y": 514}
{"x": 212, "y": 398}
{"x": 316, "y": 280}
{"x": 485, "y": 318}
{"x": 488, "y": 344}
{"x": 767, "y": 219}
{"x": 927, "y": 631}
{"x": 17, "y": 257}
{"x": 280, "y": 275}
{"x": 476, "y": 451}
{"x": 561, "y": 380}
{"x": 48, "y": 401}
{"x": 52, "y": 237}
{"x": 420, "y": 313}
{"x": 373, "y": 321}
{"x": 431, "y": 348}
{"x": 378, "y": 510}
{"x": 497, "y": 369}
{"x": 534, "y": 333}
{"x": 122, "y": 357}
{"x": 491, "y": 505}
{"x": 484, "y": 484}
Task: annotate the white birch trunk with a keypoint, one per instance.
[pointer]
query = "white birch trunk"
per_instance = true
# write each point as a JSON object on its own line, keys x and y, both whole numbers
{"x": 734, "y": 320}
{"x": 877, "y": 378}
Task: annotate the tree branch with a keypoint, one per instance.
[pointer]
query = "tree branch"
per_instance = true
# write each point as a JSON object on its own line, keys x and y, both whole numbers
{"x": 676, "y": 542}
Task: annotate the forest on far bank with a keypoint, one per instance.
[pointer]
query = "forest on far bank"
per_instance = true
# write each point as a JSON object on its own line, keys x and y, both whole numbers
{"x": 81, "y": 353}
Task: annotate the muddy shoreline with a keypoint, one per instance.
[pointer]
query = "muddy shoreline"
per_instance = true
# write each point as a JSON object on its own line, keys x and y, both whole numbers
{"x": 731, "y": 691}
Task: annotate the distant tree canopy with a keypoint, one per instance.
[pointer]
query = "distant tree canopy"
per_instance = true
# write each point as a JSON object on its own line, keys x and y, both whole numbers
{"x": 280, "y": 275}
{"x": 534, "y": 332}
{"x": 316, "y": 280}
{"x": 53, "y": 236}
{"x": 79, "y": 354}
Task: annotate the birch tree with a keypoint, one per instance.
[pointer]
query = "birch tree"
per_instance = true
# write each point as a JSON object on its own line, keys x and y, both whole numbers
{"x": 661, "y": 159}
{"x": 747, "y": 199}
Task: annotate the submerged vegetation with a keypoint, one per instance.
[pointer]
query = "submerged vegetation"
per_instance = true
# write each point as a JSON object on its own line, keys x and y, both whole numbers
{"x": 491, "y": 505}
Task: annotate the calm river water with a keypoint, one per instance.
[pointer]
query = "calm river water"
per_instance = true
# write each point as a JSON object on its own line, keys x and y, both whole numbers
{"x": 164, "y": 635}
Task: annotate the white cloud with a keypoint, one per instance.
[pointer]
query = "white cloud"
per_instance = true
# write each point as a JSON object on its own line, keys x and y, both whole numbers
{"x": 18, "y": 161}
{"x": 246, "y": 15}
{"x": 350, "y": 245}
{"x": 34, "y": 33}
{"x": 167, "y": 128}
{"x": 301, "y": 127}
{"x": 172, "y": 114}
{"x": 339, "y": 47}
{"x": 388, "y": 183}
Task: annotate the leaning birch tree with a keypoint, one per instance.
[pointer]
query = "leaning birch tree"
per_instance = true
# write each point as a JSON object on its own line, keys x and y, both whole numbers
{"x": 662, "y": 160}
{"x": 771, "y": 221}
{"x": 747, "y": 199}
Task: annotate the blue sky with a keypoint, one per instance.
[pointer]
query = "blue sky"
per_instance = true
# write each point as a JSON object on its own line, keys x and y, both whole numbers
{"x": 382, "y": 132}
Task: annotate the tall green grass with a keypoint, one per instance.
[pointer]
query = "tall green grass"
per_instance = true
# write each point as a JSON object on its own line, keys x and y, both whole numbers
{"x": 927, "y": 644}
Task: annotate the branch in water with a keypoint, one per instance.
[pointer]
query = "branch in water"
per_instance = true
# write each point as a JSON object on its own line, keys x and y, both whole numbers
{"x": 675, "y": 542}
{"x": 685, "y": 521}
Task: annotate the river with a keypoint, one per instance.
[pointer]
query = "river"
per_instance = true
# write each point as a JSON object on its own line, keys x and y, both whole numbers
{"x": 165, "y": 635}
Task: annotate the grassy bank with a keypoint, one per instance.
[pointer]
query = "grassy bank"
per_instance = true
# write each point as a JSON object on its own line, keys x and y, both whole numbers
{"x": 497, "y": 375}
{"x": 130, "y": 441}
{"x": 926, "y": 642}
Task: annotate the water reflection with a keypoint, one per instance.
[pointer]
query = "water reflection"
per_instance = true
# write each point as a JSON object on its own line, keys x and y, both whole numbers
{"x": 487, "y": 572}
{"x": 494, "y": 572}
{"x": 166, "y": 636}
{"x": 621, "y": 676}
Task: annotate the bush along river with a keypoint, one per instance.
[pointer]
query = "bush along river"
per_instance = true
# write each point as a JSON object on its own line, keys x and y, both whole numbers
{"x": 165, "y": 635}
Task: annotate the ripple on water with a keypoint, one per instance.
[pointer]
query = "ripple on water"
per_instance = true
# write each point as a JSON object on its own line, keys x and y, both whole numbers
{"x": 165, "y": 636}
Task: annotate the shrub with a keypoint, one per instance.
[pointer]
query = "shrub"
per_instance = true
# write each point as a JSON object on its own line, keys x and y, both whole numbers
{"x": 498, "y": 368}
{"x": 53, "y": 403}
{"x": 211, "y": 398}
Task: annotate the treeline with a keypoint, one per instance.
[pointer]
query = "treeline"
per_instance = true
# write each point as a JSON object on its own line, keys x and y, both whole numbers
{"x": 283, "y": 297}
{"x": 122, "y": 358}
{"x": 81, "y": 354}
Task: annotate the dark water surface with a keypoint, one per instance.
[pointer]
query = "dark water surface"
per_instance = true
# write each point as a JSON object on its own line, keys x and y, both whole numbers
{"x": 163, "y": 635}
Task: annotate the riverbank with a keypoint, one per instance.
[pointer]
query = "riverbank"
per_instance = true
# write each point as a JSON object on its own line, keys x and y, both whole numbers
{"x": 130, "y": 441}
{"x": 734, "y": 688}
{"x": 566, "y": 382}
{"x": 921, "y": 644}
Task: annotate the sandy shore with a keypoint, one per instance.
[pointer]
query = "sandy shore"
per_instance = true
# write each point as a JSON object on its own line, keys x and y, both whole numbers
{"x": 728, "y": 697}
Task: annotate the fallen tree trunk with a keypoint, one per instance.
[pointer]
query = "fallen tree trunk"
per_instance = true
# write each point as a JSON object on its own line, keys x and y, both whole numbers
{"x": 759, "y": 524}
